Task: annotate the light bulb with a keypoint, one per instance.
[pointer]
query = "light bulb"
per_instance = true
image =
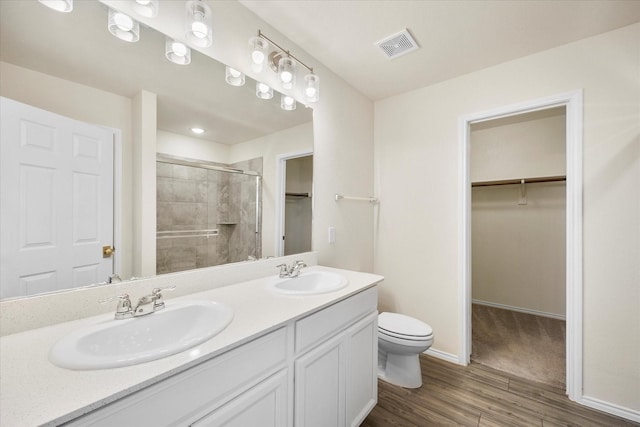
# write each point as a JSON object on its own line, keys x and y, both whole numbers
{"x": 178, "y": 49}
{"x": 123, "y": 22}
{"x": 199, "y": 29}
{"x": 263, "y": 91}
{"x": 147, "y": 8}
{"x": 286, "y": 72}
{"x": 312, "y": 87}
{"x": 234, "y": 77}
{"x": 287, "y": 103}
{"x": 197, "y": 131}
{"x": 59, "y": 5}
{"x": 123, "y": 26}
{"x": 257, "y": 57}
{"x": 177, "y": 52}
{"x": 198, "y": 23}
{"x": 286, "y": 76}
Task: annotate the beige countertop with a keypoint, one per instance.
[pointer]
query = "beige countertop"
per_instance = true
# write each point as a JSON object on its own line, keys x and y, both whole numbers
{"x": 34, "y": 392}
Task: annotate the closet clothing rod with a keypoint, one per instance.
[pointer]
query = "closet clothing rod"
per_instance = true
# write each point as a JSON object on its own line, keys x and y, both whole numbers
{"x": 519, "y": 181}
{"x": 364, "y": 199}
{"x": 298, "y": 195}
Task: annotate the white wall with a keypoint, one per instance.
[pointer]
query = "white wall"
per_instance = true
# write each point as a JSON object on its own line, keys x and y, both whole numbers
{"x": 518, "y": 251}
{"x": 292, "y": 140}
{"x": 417, "y": 149}
{"x": 193, "y": 148}
{"x": 527, "y": 145}
{"x": 97, "y": 107}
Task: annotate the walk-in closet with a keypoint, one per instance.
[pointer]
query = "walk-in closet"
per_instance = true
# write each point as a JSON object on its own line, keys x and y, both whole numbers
{"x": 518, "y": 234}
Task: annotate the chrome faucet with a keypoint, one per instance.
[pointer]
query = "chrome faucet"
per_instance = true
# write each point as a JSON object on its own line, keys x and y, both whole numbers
{"x": 146, "y": 304}
{"x": 293, "y": 271}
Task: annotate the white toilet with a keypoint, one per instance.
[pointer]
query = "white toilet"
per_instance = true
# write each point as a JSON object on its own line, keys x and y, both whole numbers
{"x": 400, "y": 340}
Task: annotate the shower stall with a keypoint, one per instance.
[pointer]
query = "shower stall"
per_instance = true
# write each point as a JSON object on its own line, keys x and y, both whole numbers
{"x": 207, "y": 213}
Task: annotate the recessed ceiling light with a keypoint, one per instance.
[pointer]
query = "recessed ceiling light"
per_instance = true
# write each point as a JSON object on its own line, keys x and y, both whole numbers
{"x": 198, "y": 131}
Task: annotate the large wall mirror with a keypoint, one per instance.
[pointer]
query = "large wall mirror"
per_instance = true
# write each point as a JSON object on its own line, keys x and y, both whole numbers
{"x": 69, "y": 64}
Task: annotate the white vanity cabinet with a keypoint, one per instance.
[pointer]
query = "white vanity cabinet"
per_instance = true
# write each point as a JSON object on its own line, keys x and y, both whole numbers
{"x": 320, "y": 370}
{"x": 185, "y": 398}
{"x": 336, "y": 364}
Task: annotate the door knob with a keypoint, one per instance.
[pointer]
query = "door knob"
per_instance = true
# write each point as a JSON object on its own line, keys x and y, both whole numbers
{"x": 107, "y": 251}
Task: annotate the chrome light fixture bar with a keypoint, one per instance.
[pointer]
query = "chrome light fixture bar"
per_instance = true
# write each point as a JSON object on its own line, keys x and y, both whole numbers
{"x": 284, "y": 63}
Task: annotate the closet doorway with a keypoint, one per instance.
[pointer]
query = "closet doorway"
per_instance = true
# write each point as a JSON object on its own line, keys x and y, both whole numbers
{"x": 518, "y": 233}
{"x": 572, "y": 101}
{"x": 294, "y": 203}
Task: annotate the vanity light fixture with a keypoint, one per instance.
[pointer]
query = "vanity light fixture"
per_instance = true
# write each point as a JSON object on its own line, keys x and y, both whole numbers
{"x": 283, "y": 62}
{"x": 198, "y": 131}
{"x": 312, "y": 87}
{"x": 233, "y": 76}
{"x": 287, "y": 72}
{"x": 58, "y": 5}
{"x": 177, "y": 52}
{"x": 199, "y": 25}
{"x": 264, "y": 91}
{"x": 258, "y": 53}
{"x": 287, "y": 102}
{"x": 123, "y": 26}
{"x": 146, "y": 8}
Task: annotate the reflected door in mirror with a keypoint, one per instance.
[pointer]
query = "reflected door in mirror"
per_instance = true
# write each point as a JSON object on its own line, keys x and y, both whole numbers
{"x": 57, "y": 201}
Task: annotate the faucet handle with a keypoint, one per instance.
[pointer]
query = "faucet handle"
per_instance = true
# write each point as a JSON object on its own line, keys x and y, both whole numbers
{"x": 156, "y": 291}
{"x": 284, "y": 270}
{"x": 157, "y": 295}
{"x": 124, "y": 305}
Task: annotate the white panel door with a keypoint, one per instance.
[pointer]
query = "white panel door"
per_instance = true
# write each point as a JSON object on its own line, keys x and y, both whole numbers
{"x": 56, "y": 188}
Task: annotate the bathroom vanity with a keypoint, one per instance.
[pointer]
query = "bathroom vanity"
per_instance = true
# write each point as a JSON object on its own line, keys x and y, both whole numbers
{"x": 284, "y": 360}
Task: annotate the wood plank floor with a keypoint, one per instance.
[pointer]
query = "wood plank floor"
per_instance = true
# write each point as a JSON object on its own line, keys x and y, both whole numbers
{"x": 477, "y": 395}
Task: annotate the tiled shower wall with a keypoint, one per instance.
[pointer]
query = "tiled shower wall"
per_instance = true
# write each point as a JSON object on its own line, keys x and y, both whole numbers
{"x": 191, "y": 198}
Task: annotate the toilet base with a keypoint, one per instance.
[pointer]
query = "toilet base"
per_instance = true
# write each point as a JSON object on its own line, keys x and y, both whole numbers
{"x": 400, "y": 369}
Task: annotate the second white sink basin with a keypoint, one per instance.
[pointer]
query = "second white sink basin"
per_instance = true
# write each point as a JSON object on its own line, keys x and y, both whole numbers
{"x": 116, "y": 343}
{"x": 309, "y": 283}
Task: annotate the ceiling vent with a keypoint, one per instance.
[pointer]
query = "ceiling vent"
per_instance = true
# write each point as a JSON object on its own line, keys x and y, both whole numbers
{"x": 398, "y": 44}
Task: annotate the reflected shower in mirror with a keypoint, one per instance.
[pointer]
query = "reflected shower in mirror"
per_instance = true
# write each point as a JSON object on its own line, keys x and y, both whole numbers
{"x": 207, "y": 214}
{"x": 70, "y": 65}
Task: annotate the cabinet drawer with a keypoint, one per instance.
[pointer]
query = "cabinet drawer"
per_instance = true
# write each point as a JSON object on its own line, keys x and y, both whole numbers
{"x": 319, "y": 326}
{"x": 189, "y": 395}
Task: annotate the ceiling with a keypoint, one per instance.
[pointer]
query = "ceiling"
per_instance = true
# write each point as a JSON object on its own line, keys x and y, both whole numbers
{"x": 455, "y": 37}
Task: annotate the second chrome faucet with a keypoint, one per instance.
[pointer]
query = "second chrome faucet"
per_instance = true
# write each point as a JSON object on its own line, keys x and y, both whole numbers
{"x": 146, "y": 304}
{"x": 293, "y": 271}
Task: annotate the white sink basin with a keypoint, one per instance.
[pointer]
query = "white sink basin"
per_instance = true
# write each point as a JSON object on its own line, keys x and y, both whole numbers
{"x": 309, "y": 283}
{"x": 116, "y": 343}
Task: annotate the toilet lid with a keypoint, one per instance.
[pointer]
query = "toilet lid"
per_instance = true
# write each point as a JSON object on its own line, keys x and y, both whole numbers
{"x": 400, "y": 325}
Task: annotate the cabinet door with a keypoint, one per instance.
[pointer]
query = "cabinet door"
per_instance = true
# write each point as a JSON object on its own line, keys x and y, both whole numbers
{"x": 319, "y": 393}
{"x": 362, "y": 369}
{"x": 264, "y": 405}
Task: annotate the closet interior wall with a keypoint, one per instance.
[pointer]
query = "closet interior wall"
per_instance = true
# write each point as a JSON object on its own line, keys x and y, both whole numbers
{"x": 518, "y": 229}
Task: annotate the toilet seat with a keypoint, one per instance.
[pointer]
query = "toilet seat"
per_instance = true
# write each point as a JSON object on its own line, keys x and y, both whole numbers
{"x": 403, "y": 327}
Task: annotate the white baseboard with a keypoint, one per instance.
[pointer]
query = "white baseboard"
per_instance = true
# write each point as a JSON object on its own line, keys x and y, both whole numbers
{"x": 610, "y": 408}
{"x": 443, "y": 355}
{"x": 520, "y": 309}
